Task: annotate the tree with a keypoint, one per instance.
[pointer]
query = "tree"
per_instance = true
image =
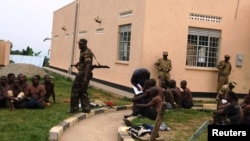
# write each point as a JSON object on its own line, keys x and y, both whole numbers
{"x": 28, "y": 51}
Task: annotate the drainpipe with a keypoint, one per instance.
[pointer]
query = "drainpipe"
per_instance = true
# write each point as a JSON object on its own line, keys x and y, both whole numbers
{"x": 74, "y": 38}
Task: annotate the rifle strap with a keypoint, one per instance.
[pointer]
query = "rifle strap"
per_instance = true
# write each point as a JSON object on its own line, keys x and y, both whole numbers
{"x": 96, "y": 59}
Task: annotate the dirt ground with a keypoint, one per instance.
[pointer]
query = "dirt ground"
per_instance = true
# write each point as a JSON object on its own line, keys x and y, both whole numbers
{"x": 26, "y": 69}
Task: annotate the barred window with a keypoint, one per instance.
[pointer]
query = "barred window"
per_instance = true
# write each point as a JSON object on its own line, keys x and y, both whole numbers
{"x": 202, "y": 47}
{"x": 124, "y": 42}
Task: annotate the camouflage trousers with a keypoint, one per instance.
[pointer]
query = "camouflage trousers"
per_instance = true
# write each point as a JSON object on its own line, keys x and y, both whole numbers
{"x": 222, "y": 80}
{"x": 163, "y": 76}
{"x": 79, "y": 93}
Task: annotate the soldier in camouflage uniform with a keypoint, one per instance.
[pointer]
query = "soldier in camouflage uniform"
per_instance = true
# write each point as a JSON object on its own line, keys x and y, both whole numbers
{"x": 81, "y": 82}
{"x": 164, "y": 66}
{"x": 224, "y": 68}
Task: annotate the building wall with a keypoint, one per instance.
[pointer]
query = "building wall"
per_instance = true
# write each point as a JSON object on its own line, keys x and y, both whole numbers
{"x": 62, "y": 37}
{"x": 4, "y": 52}
{"x": 156, "y": 27}
{"x": 171, "y": 30}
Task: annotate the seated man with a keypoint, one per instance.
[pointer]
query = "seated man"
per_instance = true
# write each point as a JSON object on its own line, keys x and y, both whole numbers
{"x": 176, "y": 93}
{"x": 223, "y": 92}
{"x": 229, "y": 113}
{"x": 187, "y": 98}
{"x": 35, "y": 94}
{"x": 245, "y": 105}
{"x": 15, "y": 96}
{"x": 2, "y": 97}
{"x": 169, "y": 97}
{"x": 50, "y": 91}
{"x": 141, "y": 99}
{"x": 151, "y": 108}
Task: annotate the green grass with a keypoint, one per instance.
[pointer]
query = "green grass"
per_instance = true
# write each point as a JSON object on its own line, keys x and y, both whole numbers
{"x": 183, "y": 123}
{"x": 34, "y": 125}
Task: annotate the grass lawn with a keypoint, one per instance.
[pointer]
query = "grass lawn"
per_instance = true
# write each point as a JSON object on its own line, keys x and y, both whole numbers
{"x": 34, "y": 125}
{"x": 182, "y": 122}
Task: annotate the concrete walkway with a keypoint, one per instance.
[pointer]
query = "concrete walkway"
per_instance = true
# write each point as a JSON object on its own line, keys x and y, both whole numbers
{"x": 101, "y": 127}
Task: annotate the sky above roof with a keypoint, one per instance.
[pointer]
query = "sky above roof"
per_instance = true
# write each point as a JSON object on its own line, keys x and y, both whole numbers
{"x": 28, "y": 22}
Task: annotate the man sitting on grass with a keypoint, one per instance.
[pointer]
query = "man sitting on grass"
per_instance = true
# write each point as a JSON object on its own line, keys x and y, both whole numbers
{"x": 35, "y": 94}
{"x": 230, "y": 112}
{"x": 15, "y": 96}
{"x": 151, "y": 108}
{"x": 142, "y": 99}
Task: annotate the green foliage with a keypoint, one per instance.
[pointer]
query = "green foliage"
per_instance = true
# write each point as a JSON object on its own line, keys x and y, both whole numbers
{"x": 11, "y": 62}
{"x": 15, "y": 52}
{"x": 28, "y": 51}
{"x": 46, "y": 61}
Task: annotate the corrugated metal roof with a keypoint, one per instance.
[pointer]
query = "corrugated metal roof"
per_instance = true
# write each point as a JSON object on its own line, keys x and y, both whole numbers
{"x": 34, "y": 60}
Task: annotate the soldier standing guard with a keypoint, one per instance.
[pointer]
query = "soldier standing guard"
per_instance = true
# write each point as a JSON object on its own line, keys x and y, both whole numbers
{"x": 224, "y": 68}
{"x": 81, "y": 82}
{"x": 164, "y": 66}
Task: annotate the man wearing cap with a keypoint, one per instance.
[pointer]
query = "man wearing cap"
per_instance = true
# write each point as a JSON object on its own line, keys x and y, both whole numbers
{"x": 224, "y": 68}
{"x": 221, "y": 97}
{"x": 81, "y": 82}
{"x": 164, "y": 66}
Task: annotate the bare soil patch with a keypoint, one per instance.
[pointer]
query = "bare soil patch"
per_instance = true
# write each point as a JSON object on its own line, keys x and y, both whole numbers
{"x": 19, "y": 68}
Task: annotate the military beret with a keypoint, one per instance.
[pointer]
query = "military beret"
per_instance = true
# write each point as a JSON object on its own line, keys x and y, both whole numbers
{"x": 82, "y": 41}
{"x": 165, "y": 53}
{"x": 226, "y": 55}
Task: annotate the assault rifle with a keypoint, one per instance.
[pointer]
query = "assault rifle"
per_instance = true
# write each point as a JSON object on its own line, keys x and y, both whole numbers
{"x": 100, "y": 66}
{"x": 92, "y": 67}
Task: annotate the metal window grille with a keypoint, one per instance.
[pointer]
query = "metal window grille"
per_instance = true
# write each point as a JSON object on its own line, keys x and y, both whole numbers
{"x": 202, "y": 47}
{"x": 124, "y": 42}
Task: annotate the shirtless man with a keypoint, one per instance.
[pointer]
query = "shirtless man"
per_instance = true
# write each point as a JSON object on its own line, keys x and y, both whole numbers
{"x": 187, "y": 98}
{"x": 35, "y": 93}
{"x": 2, "y": 97}
{"x": 9, "y": 83}
{"x": 141, "y": 98}
{"x": 22, "y": 81}
{"x": 167, "y": 91}
{"x": 15, "y": 96}
{"x": 49, "y": 87}
{"x": 3, "y": 90}
{"x": 177, "y": 93}
{"x": 229, "y": 113}
{"x": 153, "y": 107}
